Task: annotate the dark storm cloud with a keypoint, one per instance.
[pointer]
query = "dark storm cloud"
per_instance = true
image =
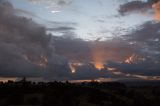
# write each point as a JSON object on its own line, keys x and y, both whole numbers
{"x": 147, "y": 68}
{"x": 88, "y": 71}
{"x": 89, "y": 52}
{"x": 83, "y": 51}
{"x": 147, "y": 40}
{"x": 25, "y": 46}
{"x": 148, "y": 37}
{"x": 73, "y": 49}
{"x": 24, "y": 43}
{"x": 143, "y": 41}
{"x": 136, "y": 6}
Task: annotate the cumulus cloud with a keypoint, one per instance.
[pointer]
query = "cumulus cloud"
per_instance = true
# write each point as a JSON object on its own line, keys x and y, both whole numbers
{"x": 143, "y": 42}
{"x": 25, "y": 47}
{"x": 146, "y": 37}
{"x": 27, "y": 50}
{"x": 75, "y": 50}
{"x": 85, "y": 51}
{"x": 87, "y": 71}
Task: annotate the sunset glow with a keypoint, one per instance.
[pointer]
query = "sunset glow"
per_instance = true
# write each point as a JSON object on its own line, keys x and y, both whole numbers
{"x": 80, "y": 39}
{"x": 99, "y": 65}
{"x": 156, "y": 8}
{"x": 72, "y": 67}
{"x": 79, "y": 52}
{"x": 40, "y": 61}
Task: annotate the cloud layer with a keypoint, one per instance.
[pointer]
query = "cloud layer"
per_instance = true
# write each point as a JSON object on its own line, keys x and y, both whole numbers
{"x": 26, "y": 49}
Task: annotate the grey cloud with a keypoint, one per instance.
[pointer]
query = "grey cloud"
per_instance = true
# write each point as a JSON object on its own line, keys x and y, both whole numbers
{"x": 25, "y": 12}
{"x": 25, "y": 46}
{"x": 83, "y": 51}
{"x": 146, "y": 40}
{"x": 136, "y": 6}
{"x": 147, "y": 36}
{"x": 24, "y": 43}
{"x": 62, "y": 28}
{"x": 147, "y": 68}
{"x": 87, "y": 71}
{"x": 73, "y": 49}
{"x": 143, "y": 41}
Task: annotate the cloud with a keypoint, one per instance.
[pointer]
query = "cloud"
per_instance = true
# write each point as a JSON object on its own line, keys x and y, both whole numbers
{"x": 147, "y": 36}
{"x": 25, "y": 13}
{"x": 25, "y": 47}
{"x": 89, "y": 53}
{"x": 146, "y": 39}
{"x": 87, "y": 71}
{"x": 27, "y": 50}
{"x": 141, "y": 68}
{"x": 143, "y": 42}
{"x": 137, "y": 7}
{"x": 85, "y": 51}
{"x": 74, "y": 49}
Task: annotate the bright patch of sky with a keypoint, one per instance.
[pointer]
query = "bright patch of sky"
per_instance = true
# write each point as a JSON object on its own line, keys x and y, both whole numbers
{"x": 93, "y": 18}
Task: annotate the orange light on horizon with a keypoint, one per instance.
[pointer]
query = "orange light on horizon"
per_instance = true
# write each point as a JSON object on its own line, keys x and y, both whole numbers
{"x": 99, "y": 65}
{"x": 43, "y": 62}
{"x": 134, "y": 59}
{"x": 130, "y": 59}
{"x": 98, "y": 55}
{"x": 40, "y": 61}
{"x": 73, "y": 69}
{"x": 111, "y": 69}
{"x": 73, "y": 66}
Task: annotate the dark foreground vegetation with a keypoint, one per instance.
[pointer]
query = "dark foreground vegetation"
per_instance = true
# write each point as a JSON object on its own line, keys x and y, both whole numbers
{"x": 24, "y": 93}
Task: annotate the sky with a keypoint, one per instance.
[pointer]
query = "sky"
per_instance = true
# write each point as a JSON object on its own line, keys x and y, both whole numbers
{"x": 80, "y": 39}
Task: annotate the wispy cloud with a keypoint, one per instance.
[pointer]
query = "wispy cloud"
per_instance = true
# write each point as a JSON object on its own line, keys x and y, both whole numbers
{"x": 53, "y": 5}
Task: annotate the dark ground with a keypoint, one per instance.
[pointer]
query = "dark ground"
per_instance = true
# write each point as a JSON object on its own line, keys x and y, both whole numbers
{"x": 25, "y": 93}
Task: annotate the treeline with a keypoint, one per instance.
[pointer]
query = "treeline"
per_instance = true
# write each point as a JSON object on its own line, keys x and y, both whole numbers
{"x": 93, "y": 93}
